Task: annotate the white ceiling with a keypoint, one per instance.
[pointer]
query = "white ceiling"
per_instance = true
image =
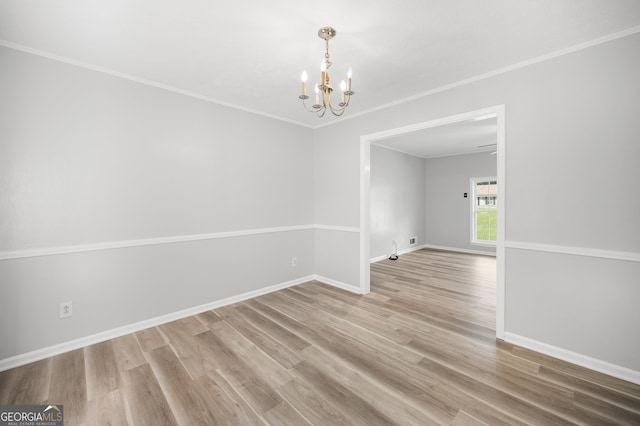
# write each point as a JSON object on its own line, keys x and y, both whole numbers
{"x": 463, "y": 137}
{"x": 250, "y": 53}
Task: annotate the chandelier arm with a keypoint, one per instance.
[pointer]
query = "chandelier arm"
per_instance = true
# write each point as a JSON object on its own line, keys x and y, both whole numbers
{"x": 341, "y": 106}
{"x": 337, "y": 111}
{"x": 348, "y": 98}
{"x": 313, "y": 108}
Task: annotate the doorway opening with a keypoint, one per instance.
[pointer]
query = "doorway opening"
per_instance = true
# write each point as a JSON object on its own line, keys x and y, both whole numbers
{"x": 365, "y": 190}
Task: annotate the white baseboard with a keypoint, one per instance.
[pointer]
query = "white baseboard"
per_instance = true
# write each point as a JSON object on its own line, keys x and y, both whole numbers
{"x": 401, "y": 252}
{"x": 460, "y": 250}
{"x": 614, "y": 370}
{"x": 379, "y": 258}
{"x": 430, "y": 246}
{"x": 39, "y": 354}
{"x": 338, "y": 284}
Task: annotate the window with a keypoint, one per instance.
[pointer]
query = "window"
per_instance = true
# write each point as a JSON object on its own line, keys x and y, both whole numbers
{"x": 484, "y": 210}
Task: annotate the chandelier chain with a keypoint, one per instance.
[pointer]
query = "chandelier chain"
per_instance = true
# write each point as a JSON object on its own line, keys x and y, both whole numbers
{"x": 326, "y": 54}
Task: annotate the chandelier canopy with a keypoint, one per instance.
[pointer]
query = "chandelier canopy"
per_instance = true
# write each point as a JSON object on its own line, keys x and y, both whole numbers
{"x": 324, "y": 89}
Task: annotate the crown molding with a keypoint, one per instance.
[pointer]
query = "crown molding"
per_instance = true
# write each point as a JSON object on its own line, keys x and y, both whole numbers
{"x": 484, "y": 76}
{"x": 518, "y": 65}
{"x": 114, "y": 73}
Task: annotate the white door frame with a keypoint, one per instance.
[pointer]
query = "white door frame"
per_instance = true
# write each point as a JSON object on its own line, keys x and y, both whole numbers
{"x": 365, "y": 189}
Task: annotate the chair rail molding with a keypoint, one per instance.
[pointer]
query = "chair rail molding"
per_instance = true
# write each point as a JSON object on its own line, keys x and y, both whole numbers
{"x": 576, "y": 251}
{"x": 109, "y": 245}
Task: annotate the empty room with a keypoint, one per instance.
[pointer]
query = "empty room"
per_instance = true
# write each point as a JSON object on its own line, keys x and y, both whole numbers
{"x": 300, "y": 213}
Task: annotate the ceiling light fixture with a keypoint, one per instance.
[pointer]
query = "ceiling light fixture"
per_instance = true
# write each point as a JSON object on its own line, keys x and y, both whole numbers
{"x": 324, "y": 89}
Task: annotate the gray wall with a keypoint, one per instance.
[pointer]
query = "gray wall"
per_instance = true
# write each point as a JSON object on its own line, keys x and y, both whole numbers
{"x": 572, "y": 132}
{"x": 414, "y": 197}
{"x": 448, "y": 213}
{"x": 88, "y": 159}
{"x": 397, "y": 200}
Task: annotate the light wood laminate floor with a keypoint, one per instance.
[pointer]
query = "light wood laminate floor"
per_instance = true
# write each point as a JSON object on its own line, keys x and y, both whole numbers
{"x": 419, "y": 349}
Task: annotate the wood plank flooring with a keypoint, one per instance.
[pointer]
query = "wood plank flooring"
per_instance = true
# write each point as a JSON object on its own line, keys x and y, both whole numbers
{"x": 419, "y": 349}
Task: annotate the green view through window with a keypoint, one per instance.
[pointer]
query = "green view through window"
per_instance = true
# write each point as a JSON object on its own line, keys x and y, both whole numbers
{"x": 484, "y": 210}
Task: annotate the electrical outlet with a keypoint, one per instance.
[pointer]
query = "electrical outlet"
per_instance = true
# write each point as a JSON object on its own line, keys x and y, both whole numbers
{"x": 66, "y": 309}
{"x": 294, "y": 262}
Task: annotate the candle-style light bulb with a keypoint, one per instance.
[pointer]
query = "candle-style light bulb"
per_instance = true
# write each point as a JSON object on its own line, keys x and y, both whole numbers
{"x": 304, "y": 83}
{"x": 343, "y": 87}
{"x": 317, "y": 95}
{"x": 349, "y": 74}
{"x": 323, "y": 72}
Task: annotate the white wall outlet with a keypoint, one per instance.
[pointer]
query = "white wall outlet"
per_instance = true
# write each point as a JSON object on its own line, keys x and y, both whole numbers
{"x": 66, "y": 309}
{"x": 294, "y": 262}
{"x": 413, "y": 241}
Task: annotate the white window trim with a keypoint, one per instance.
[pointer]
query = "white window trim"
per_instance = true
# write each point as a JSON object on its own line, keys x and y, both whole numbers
{"x": 472, "y": 185}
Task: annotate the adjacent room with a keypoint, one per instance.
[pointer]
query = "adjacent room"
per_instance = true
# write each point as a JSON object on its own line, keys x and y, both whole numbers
{"x": 417, "y": 212}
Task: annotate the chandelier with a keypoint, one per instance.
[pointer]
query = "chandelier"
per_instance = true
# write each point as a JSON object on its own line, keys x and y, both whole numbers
{"x": 323, "y": 89}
